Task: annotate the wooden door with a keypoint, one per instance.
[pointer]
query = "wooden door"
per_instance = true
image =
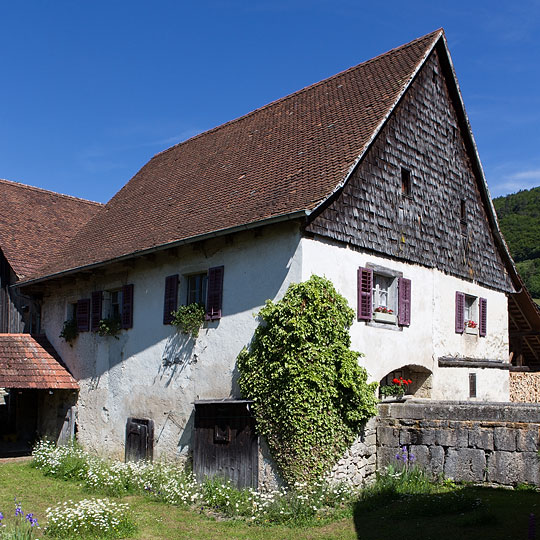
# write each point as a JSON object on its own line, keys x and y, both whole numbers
{"x": 225, "y": 443}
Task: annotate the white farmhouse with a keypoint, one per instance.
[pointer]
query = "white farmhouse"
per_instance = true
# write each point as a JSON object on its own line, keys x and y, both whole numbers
{"x": 370, "y": 178}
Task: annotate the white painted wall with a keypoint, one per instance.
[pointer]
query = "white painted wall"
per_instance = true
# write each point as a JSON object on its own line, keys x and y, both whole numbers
{"x": 432, "y": 331}
{"x": 128, "y": 376}
{"x": 153, "y": 371}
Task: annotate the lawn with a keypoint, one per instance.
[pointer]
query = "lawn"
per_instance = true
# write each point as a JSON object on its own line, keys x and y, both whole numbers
{"x": 156, "y": 521}
{"x": 467, "y": 513}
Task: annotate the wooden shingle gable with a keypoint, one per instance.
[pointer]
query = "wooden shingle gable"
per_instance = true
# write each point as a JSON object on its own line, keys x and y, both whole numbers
{"x": 426, "y": 135}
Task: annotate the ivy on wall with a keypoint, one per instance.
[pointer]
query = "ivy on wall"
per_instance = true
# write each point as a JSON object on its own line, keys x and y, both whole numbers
{"x": 310, "y": 396}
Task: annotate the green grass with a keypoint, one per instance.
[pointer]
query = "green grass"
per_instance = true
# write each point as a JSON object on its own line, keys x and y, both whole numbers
{"x": 464, "y": 513}
{"x": 155, "y": 520}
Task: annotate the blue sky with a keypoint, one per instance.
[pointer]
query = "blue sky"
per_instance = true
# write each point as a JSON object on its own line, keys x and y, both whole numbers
{"x": 90, "y": 91}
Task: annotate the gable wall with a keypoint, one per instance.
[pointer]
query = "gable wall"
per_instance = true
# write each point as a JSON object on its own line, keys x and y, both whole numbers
{"x": 431, "y": 334}
{"x": 371, "y": 213}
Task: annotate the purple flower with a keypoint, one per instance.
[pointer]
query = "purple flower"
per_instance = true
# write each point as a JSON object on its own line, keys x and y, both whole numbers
{"x": 1, "y": 516}
{"x": 18, "y": 510}
{"x": 31, "y": 519}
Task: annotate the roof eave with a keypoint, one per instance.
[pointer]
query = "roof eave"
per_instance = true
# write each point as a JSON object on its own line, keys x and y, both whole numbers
{"x": 162, "y": 247}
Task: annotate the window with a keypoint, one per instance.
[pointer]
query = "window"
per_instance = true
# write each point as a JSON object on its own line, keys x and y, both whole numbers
{"x": 113, "y": 304}
{"x": 197, "y": 286}
{"x": 405, "y": 181}
{"x": 471, "y": 314}
{"x": 463, "y": 216}
{"x": 384, "y": 296}
{"x": 472, "y": 385}
{"x": 204, "y": 288}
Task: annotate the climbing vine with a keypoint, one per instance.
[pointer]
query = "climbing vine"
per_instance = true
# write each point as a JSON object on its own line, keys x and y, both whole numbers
{"x": 310, "y": 396}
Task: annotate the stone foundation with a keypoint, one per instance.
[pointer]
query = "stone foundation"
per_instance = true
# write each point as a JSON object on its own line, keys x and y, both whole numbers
{"x": 467, "y": 442}
{"x": 359, "y": 463}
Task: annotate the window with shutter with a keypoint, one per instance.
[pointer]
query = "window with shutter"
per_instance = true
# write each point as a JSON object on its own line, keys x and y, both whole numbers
{"x": 127, "y": 306}
{"x": 83, "y": 315}
{"x": 97, "y": 303}
{"x": 404, "y": 301}
{"x": 460, "y": 312}
{"x": 170, "y": 302}
{"x": 482, "y": 317}
{"x": 365, "y": 286}
{"x": 214, "y": 297}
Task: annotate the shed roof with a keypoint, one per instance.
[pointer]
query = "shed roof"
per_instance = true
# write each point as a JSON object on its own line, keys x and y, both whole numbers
{"x": 280, "y": 160}
{"x": 31, "y": 362}
{"x": 35, "y": 222}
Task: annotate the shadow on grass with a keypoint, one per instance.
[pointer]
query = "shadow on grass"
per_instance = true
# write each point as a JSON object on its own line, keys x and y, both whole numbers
{"x": 463, "y": 513}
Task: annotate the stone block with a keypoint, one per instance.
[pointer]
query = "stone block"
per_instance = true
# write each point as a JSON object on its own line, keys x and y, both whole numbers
{"x": 511, "y": 468}
{"x": 436, "y": 462}
{"x": 446, "y": 437}
{"x": 421, "y": 456}
{"x": 427, "y": 437}
{"x": 387, "y": 436}
{"x": 386, "y": 455}
{"x": 504, "y": 439}
{"x": 527, "y": 440}
{"x": 481, "y": 438}
{"x": 465, "y": 464}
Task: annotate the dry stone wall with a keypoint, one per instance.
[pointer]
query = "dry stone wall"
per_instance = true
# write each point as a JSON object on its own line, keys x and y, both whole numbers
{"x": 359, "y": 463}
{"x": 489, "y": 442}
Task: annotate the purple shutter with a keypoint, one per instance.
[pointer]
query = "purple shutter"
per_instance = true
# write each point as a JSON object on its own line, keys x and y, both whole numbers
{"x": 214, "y": 297}
{"x": 460, "y": 312}
{"x": 365, "y": 298}
{"x": 97, "y": 301}
{"x": 127, "y": 306}
{"x": 404, "y": 301}
{"x": 83, "y": 315}
{"x": 482, "y": 318}
{"x": 170, "y": 302}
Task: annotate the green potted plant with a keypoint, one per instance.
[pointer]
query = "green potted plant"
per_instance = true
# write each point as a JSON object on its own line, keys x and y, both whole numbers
{"x": 110, "y": 326}
{"x": 189, "y": 318}
{"x": 69, "y": 331}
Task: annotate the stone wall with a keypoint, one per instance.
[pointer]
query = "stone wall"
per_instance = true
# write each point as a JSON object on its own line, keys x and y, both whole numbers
{"x": 468, "y": 442}
{"x": 359, "y": 463}
{"x": 525, "y": 387}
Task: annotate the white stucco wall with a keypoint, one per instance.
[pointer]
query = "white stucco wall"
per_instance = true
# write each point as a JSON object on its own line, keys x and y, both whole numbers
{"x": 431, "y": 334}
{"x": 152, "y": 370}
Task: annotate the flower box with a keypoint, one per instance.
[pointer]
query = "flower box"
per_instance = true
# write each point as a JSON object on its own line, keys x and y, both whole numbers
{"x": 469, "y": 330}
{"x": 384, "y": 317}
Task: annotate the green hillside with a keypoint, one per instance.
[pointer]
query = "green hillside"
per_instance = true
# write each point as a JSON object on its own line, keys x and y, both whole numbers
{"x": 519, "y": 218}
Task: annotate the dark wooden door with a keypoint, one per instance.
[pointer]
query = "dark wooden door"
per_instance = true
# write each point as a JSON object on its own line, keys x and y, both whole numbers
{"x": 225, "y": 443}
{"x": 139, "y": 439}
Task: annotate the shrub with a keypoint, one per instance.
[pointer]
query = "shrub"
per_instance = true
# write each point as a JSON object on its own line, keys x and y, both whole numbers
{"x": 310, "y": 396}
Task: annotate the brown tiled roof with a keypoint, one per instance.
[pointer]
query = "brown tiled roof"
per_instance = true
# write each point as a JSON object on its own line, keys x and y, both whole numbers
{"x": 283, "y": 158}
{"x": 34, "y": 223}
{"x": 31, "y": 362}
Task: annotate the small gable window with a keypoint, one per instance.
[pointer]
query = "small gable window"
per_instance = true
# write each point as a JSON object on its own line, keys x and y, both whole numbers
{"x": 384, "y": 296}
{"x": 463, "y": 216}
{"x": 405, "y": 181}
